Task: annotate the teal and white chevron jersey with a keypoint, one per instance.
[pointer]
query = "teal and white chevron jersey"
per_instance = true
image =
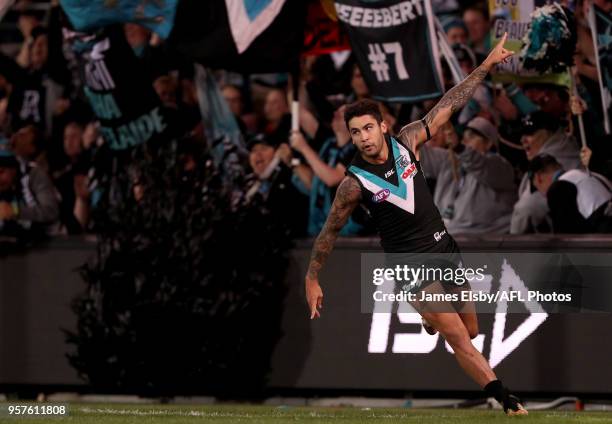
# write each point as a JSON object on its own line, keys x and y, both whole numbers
{"x": 398, "y": 198}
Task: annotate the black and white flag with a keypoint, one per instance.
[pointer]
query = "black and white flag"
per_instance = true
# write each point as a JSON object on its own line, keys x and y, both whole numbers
{"x": 395, "y": 46}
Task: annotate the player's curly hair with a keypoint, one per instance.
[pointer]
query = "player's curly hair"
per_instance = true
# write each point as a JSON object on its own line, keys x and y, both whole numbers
{"x": 360, "y": 108}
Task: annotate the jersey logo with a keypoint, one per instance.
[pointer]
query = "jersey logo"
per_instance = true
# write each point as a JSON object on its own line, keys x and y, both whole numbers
{"x": 389, "y": 173}
{"x": 402, "y": 194}
{"x": 403, "y": 161}
{"x": 439, "y": 234}
{"x": 410, "y": 171}
{"x": 381, "y": 196}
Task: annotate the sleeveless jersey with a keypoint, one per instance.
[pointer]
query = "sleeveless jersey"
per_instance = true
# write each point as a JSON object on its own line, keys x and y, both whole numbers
{"x": 399, "y": 201}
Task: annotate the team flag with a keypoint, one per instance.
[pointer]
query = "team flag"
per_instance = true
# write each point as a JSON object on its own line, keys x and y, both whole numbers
{"x": 241, "y": 35}
{"x": 395, "y": 46}
{"x": 601, "y": 28}
{"x": 323, "y": 34}
{"x": 129, "y": 110}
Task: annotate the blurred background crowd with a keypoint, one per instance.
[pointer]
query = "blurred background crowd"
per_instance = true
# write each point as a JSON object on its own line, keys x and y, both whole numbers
{"x": 510, "y": 162}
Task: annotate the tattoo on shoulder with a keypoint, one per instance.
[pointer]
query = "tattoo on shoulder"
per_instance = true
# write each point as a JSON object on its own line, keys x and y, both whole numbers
{"x": 409, "y": 133}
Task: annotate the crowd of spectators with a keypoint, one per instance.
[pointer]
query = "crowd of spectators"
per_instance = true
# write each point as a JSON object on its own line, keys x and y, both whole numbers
{"x": 510, "y": 162}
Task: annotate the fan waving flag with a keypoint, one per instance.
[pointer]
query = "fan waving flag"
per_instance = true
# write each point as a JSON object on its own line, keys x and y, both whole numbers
{"x": 86, "y": 15}
{"x": 129, "y": 110}
{"x": 393, "y": 42}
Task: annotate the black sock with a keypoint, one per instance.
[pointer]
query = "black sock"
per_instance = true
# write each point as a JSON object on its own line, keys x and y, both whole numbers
{"x": 497, "y": 390}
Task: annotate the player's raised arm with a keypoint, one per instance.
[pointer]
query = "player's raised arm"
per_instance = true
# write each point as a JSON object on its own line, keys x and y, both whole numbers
{"x": 415, "y": 133}
{"x": 347, "y": 198}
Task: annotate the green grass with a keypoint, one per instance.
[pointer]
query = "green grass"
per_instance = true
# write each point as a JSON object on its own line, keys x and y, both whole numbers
{"x": 171, "y": 414}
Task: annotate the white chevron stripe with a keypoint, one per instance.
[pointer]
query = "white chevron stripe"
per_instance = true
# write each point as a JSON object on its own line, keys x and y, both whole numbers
{"x": 406, "y": 204}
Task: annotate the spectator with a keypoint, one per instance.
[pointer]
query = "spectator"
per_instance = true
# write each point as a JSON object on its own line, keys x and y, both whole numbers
{"x": 27, "y": 144}
{"x": 455, "y": 30}
{"x": 233, "y": 97}
{"x": 28, "y": 202}
{"x": 273, "y": 186}
{"x": 361, "y": 91}
{"x": 82, "y": 202}
{"x": 26, "y": 22}
{"x": 189, "y": 108}
{"x": 165, "y": 87}
{"x": 579, "y": 201}
{"x": 277, "y": 120}
{"x": 465, "y": 56}
{"x": 475, "y": 188}
{"x": 444, "y": 6}
{"x": 91, "y": 136}
{"x": 550, "y": 98}
{"x": 541, "y": 135}
{"x": 476, "y": 20}
{"x": 137, "y": 37}
{"x": 328, "y": 169}
{"x": 64, "y": 177}
{"x": 9, "y": 168}
{"x": 358, "y": 84}
{"x": 37, "y": 88}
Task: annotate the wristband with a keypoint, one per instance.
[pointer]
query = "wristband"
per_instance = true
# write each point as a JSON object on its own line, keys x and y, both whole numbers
{"x": 426, "y": 129}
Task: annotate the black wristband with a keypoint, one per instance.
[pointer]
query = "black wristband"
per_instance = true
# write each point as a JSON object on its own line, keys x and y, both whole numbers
{"x": 426, "y": 129}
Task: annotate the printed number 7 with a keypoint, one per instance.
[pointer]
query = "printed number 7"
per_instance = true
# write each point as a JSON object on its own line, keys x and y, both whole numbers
{"x": 396, "y": 49}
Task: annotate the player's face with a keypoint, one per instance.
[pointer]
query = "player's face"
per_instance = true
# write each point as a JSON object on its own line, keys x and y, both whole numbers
{"x": 368, "y": 135}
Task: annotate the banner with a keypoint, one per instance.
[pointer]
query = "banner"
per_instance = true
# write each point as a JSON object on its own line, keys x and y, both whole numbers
{"x": 249, "y": 18}
{"x": 240, "y": 35}
{"x": 117, "y": 87}
{"x": 601, "y": 29}
{"x": 323, "y": 34}
{"x": 395, "y": 46}
{"x": 513, "y": 17}
{"x": 222, "y": 132}
{"x": 86, "y": 15}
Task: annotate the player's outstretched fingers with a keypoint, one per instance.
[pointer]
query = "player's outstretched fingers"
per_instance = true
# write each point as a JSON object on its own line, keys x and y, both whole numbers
{"x": 315, "y": 302}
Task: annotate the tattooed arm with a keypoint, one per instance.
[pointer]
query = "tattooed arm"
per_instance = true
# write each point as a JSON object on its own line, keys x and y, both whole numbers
{"x": 347, "y": 198}
{"x": 414, "y": 134}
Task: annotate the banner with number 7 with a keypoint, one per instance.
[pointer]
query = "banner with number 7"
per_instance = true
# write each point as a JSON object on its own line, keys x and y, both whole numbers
{"x": 394, "y": 44}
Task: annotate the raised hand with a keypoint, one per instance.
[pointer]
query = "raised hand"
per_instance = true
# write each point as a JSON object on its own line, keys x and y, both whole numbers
{"x": 498, "y": 54}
